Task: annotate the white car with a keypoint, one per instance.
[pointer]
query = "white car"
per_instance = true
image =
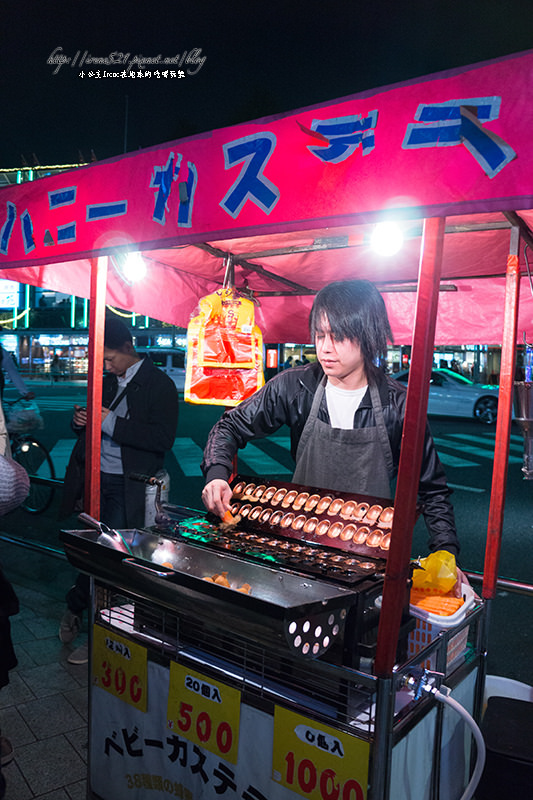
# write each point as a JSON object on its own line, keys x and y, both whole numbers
{"x": 170, "y": 360}
{"x": 451, "y": 394}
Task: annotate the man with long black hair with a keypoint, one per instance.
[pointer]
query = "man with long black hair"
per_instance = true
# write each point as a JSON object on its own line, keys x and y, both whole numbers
{"x": 344, "y": 413}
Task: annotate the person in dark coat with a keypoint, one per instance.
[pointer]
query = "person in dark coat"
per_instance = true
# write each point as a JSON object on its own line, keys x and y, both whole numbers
{"x": 139, "y": 421}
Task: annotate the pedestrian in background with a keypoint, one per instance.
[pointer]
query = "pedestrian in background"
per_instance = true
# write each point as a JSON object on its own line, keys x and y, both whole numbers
{"x": 139, "y": 421}
{"x": 55, "y": 369}
{"x": 8, "y": 366}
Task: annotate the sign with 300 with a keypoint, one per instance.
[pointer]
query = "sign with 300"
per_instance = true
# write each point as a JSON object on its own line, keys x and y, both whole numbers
{"x": 120, "y": 667}
{"x": 204, "y": 711}
{"x": 317, "y": 761}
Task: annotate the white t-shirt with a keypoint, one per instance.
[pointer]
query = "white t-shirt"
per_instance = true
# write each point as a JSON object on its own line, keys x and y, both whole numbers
{"x": 342, "y": 405}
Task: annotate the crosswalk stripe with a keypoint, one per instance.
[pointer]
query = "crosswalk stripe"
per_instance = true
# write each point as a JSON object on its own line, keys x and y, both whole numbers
{"x": 68, "y": 400}
{"x": 57, "y": 405}
{"x": 253, "y": 459}
{"x": 450, "y": 460}
{"x": 515, "y": 437}
{"x": 189, "y": 456}
{"x": 60, "y": 453}
{"x": 473, "y": 489}
{"x": 483, "y": 452}
{"x": 260, "y": 462}
{"x": 515, "y": 444}
{"x": 284, "y": 440}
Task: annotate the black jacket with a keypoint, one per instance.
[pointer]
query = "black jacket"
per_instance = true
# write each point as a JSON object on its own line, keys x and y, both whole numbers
{"x": 144, "y": 435}
{"x": 286, "y": 400}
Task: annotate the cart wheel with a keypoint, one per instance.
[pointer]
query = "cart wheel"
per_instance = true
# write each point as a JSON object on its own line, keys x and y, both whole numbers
{"x": 35, "y": 459}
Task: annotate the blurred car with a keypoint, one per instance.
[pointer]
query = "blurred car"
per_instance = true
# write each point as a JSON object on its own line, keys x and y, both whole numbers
{"x": 451, "y": 394}
{"x": 170, "y": 360}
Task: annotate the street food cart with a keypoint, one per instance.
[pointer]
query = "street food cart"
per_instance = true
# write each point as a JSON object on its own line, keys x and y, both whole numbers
{"x": 243, "y": 657}
{"x": 199, "y": 688}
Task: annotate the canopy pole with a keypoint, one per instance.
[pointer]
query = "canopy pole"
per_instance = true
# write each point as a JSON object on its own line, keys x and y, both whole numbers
{"x": 414, "y": 427}
{"x": 503, "y": 422}
{"x": 94, "y": 385}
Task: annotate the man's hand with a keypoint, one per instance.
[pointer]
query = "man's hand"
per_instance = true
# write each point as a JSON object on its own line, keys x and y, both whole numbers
{"x": 216, "y": 496}
{"x": 461, "y": 579}
{"x": 80, "y": 417}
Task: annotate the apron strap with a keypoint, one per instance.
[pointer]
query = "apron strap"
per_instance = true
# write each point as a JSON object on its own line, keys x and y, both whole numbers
{"x": 313, "y": 414}
{"x": 383, "y": 436}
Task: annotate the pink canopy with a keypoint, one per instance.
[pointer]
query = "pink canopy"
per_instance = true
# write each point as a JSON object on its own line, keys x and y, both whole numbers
{"x": 289, "y": 202}
{"x": 293, "y": 200}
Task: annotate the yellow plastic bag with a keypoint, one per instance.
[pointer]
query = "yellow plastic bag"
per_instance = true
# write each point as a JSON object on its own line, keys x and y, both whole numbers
{"x": 439, "y": 573}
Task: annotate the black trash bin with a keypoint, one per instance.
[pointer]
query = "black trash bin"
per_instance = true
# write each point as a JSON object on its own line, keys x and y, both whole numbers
{"x": 507, "y": 729}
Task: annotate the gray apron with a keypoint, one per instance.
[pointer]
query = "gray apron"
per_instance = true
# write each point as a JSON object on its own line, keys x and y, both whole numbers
{"x": 358, "y": 461}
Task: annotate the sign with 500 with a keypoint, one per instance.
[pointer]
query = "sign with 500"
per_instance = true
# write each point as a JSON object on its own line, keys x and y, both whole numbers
{"x": 204, "y": 711}
{"x": 317, "y": 761}
{"x": 120, "y": 667}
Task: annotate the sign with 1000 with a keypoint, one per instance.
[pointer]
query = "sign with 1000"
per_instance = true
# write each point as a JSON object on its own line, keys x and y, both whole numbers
{"x": 317, "y": 761}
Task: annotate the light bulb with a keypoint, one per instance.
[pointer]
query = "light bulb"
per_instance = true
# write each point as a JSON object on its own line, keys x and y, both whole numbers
{"x": 386, "y": 239}
{"x": 134, "y": 268}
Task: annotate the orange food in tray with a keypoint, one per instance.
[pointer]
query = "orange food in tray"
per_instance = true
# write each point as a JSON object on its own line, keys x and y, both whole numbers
{"x": 442, "y": 605}
{"x": 222, "y": 580}
{"x": 229, "y": 521}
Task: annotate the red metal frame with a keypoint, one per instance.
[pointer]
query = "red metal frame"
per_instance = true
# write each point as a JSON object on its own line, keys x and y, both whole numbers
{"x": 503, "y": 423}
{"x": 94, "y": 385}
{"x": 397, "y": 573}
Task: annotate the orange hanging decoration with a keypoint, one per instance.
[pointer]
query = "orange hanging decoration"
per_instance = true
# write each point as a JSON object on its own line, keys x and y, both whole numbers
{"x": 224, "y": 351}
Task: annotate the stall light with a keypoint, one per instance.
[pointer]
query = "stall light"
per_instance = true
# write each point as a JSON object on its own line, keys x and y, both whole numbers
{"x": 386, "y": 238}
{"x": 130, "y": 266}
{"x": 134, "y": 268}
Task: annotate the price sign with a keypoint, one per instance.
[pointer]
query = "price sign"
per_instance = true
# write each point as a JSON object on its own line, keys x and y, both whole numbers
{"x": 120, "y": 667}
{"x": 205, "y": 711}
{"x": 317, "y": 761}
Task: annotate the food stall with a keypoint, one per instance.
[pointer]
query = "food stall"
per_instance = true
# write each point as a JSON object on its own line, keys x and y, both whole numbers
{"x": 198, "y": 687}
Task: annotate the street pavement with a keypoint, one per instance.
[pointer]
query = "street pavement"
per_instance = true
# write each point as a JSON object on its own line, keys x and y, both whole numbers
{"x": 465, "y": 447}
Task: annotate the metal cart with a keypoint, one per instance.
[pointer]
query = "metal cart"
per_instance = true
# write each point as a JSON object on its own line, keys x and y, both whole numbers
{"x": 262, "y": 683}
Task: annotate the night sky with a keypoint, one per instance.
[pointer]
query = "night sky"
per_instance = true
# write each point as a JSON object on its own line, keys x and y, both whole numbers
{"x": 260, "y": 59}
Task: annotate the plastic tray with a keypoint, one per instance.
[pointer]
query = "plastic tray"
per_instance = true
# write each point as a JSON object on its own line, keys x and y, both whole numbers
{"x": 429, "y": 626}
